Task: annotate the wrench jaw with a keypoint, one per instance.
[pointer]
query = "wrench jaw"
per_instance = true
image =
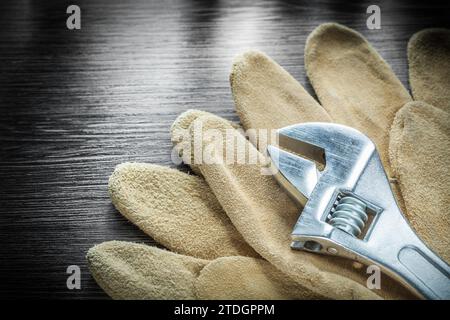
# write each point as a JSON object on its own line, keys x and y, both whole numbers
{"x": 298, "y": 176}
{"x": 317, "y": 141}
{"x": 301, "y": 156}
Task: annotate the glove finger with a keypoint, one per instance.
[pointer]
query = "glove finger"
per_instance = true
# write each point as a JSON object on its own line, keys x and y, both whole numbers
{"x": 420, "y": 157}
{"x": 429, "y": 67}
{"x": 248, "y": 278}
{"x": 135, "y": 271}
{"x": 353, "y": 83}
{"x": 178, "y": 210}
{"x": 267, "y": 97}
{"x": 265, "y": 215}
{"x": 180, "y": 136}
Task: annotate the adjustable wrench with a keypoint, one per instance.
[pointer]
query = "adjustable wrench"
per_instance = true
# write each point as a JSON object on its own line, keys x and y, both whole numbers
{"x": 349, "y": 209}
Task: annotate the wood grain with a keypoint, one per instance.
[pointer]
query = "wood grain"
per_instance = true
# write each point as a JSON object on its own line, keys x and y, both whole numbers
{"x": 74, "y": 104}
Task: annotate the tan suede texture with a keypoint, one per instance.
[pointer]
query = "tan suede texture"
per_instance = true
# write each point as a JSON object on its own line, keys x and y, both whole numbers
{"x": 429, "y": 67}
{"x": 221, "y": 222}
{"x": 248, "y": 278}
{"x": 270, "y": 106}
{"x": 355, "y": 86}
{"x": 181, "y": 212}
{"x": 353, "y": 83}
{"x": 358, "y": 88}
{"x": 420, "y": 156}
{"x": 162, "y": 201}
{"x": 264, "y": 215}
{"x": 135, "y": 271}
{"x": 420, "y": 140}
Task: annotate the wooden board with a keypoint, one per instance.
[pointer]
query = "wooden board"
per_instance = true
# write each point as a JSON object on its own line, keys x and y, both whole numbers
{"x": 74, "y": 104}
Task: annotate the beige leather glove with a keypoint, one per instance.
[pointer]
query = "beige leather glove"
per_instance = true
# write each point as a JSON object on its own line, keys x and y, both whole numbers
{"x": 181, "y": 212}
{"x": 357, "y": 88}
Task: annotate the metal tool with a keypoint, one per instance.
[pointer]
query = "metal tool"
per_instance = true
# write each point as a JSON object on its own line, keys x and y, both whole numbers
{"x": 349, "y": 209}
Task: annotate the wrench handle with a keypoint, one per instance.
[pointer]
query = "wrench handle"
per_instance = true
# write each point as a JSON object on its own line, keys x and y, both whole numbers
{"x": 425, "y": 272}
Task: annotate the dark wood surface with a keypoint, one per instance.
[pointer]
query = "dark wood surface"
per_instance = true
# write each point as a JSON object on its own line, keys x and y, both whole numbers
{"x": 74, "y": 104}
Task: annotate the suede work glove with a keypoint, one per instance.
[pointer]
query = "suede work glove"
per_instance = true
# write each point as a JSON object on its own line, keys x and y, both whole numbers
{"x": 229, "y": 227}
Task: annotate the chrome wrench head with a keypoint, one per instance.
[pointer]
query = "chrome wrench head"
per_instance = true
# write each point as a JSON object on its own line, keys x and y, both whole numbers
{"x": 349, "y": 208}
